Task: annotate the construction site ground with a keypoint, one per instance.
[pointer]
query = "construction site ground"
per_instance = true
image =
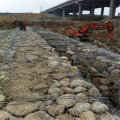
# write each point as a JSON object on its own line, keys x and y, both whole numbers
{"x": 45, "y": 75}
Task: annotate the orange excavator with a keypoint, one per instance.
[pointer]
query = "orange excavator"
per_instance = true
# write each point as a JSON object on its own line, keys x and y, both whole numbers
{"x": 86, "y": 31}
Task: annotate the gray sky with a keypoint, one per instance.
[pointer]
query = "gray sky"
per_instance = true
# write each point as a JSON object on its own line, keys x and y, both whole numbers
{"x": 34, "y": 6}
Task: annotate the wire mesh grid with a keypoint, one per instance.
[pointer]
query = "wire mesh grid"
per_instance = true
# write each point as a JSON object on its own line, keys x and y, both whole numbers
{"x": 36, "y": 83}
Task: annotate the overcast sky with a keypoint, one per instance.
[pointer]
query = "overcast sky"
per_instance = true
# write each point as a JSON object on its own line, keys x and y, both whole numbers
{"x": 35, "y": 6}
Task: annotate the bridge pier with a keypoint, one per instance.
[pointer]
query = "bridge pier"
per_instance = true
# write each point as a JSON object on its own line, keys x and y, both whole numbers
{"x": 73, "y": 12}
{"x": 53, "y": 12}
{"x": 102, "y": 11}
{"x": 112, "y": 8}
{"x": 63, "y": 12}
{"x": 92, "y": 11}
{"x": 80, "y": 11}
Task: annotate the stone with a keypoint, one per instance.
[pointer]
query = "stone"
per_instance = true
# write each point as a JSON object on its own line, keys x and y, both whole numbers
{"x": 44, "y": 116}
{"x": 71, "y": 74}
{"x": 55, "y": 95}
{"x": 5, "y": 67}
{"x": 98, "y": 107}
{"x": 63, "y": 100}
{"x": 74, "y": 69}
{"x": 44, "y": 77}
{"x": 99, "y": 66}
{"x": 81, "y": 97}
{"x": 104, "y": 82}
{"x": 92, "y": 70}
{"x": 73, "y": 112}
{"x": 41, "y": 106}
{"x": 82, "y": 107}
{"x": 64, "y": 58}
{"x": 49, "y": 102}
{"x": 40, "y": 86}
{"x": 2, "y": 100}
{"x": 82, "y": 64}
{"x": 65, "y": 64}
{"x": 21, "y": 108}
{"x": 79, "y": 82}
{"x": 65, "y": 83}
{"x": 53, "y": 64}
{"x": 7, "y": 116}
{"x": 2, "y": 77}
{"x": 115, "y": 75}
{"x": 37, "y": 96}
{"x": 116, "y": 117}
{"x": 88, "y": 115}
{"x": 92, "y": 100}
{"x": 32, "y": 116}
{"x": 96, "y": 80}
{"x": 55, "y": 91}
{"x": 67, "y": 90}
{"x": 59, "y": 76}
{"x": 80, "y": 89}
{"x": 69, "y": 52}
{"x": 104, "y": 116}
{"x": 65, "y": 79}
{"x": 103, "y": 88}
{"x": 65, "y": 117}
{"x": 110, "y": 69}
{"x": 56, "y": 84}
{"x": 94, "y": 92}
{"x": 3, "y": 73}
{"x": 78, "y": 119}
{"x": 55, "y": 110}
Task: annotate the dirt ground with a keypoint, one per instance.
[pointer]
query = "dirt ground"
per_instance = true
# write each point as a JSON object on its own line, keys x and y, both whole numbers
{"x": 100, "y": 37}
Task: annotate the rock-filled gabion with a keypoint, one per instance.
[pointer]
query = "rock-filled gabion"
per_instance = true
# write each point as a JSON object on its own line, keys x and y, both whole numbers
{"x": 38, "y": 84}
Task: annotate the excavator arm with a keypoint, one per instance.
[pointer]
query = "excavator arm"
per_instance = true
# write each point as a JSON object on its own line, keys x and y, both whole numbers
{"x": 87, "y": 30}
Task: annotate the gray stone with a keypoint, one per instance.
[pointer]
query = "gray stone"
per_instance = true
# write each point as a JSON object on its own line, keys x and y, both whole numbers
{"x": 56, "y": 84}
{"x": 41, "y": 106}
{"x": 55, "y": 110}
{"x": 65, "y": 83}
{"x": 82, "y": 107}
{"x": 65, "y": 117}
{"x": 55, "y": 91}
{"x": 78, "y": 82}
{"x": 89, "y": 115}
{"x": 94, "y": 92}
{"x": 2, "y": 77}
{"x": 63, "y": 100}
{"x": 98, "y": 107}
{"x": 40, "y": 86}
{"x": 2, "y": 100}
{"x": 67, "y": 90}
{"x": 81, "y": 97}
{"x": 80, "y": 89}
{"x": 32, "y": 116}
{"x": 104, "y": 82}
{"x": 59, "y": 76}
{"x": 73, "y": 112}
{"x": 104, "y": 116}
{"x": 44, "y": 116}
{"x": 7, "y": 116}
{"x": 21, "y": 108}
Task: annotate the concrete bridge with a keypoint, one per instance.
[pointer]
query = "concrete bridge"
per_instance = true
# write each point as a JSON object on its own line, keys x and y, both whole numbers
{"x": 77, "y": 6}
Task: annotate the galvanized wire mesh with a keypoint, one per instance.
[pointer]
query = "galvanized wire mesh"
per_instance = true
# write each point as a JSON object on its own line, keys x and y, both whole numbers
{"x": 39, "y": 84}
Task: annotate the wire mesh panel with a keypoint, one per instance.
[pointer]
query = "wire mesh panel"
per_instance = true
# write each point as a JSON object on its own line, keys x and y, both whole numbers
{"x": 38, "y": 84}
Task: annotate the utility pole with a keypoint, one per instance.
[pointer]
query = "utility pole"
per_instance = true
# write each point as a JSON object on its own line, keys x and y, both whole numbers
{"x": 40, "y": 9}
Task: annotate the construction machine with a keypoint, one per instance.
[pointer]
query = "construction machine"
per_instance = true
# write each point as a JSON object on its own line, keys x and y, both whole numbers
{"x": 86, "y": 31}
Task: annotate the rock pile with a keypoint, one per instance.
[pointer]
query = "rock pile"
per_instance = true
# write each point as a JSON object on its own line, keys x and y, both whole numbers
{"x": 99, "y": 66}
{"x": 41, "y": 85}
